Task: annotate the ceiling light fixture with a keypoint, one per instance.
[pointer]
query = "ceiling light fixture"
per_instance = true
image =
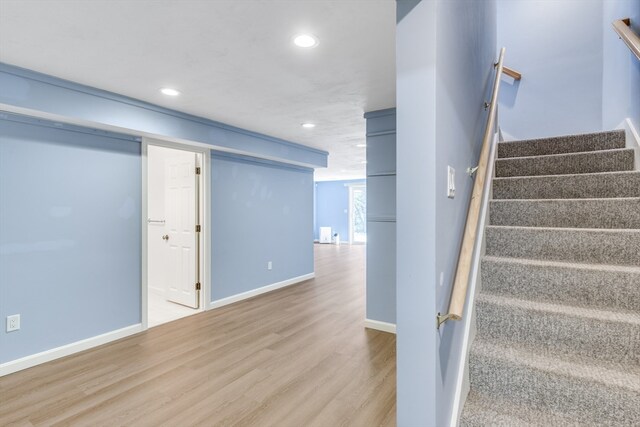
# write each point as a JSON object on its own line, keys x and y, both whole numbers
{"x": 170, "y": 92}
{"x": 364, "y": 162}
{"x": 305, "y": 40}
{"x": 361, "y": 145}
{"x": 308, "y": 125}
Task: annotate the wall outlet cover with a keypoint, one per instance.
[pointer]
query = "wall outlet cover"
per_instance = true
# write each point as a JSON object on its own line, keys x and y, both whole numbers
{"x": 13, "y": 322}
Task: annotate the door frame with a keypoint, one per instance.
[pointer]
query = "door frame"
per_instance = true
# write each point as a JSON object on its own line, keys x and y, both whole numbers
{"x": 205, "y": 221}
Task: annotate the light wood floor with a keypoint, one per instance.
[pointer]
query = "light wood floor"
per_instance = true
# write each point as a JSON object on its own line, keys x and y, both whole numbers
{"x": 294, "y": 357}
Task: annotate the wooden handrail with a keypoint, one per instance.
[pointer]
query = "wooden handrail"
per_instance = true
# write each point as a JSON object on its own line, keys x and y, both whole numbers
{"x": 465, "y": 259}
{"x": 626, "y": 33}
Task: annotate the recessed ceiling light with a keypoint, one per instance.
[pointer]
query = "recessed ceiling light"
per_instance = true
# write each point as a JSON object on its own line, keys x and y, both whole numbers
{"x": 364, "y": 162}
{"x": 308, "y": 125}
{"x": 361, "y": 145}
{"x": 305, "y": 40}
{"x": 170, "y": 92}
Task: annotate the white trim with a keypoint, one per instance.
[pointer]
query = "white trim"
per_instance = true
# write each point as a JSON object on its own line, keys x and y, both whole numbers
{"x": 380, "y": 326}
{"x": 204, "y": 157}
{"x": 65, "y": 350}
{"x": 633, "y": 138}
{"x": 460, "y": 397}
{"x": 255, "y": 292}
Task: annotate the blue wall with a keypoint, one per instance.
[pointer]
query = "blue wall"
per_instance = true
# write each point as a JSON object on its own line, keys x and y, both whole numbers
{"x": 621, "y": 69}
{"x": 445, "y": 53}
{"x": 576, "y": 78}
{"x": 557, "y": 45}
{"x": 70, "y": 209}
{"x": 332, "y": 207}
{"x": 260, "y": 212}
{"x": 70, "y": 237}
{"x": 381, "y": 215}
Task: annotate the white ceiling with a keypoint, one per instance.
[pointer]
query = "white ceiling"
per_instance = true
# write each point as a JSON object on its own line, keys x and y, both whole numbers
{"x": 233, "y": 61}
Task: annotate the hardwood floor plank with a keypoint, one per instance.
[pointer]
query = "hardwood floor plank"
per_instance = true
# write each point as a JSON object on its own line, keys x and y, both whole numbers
{"x": 298, "y": 356}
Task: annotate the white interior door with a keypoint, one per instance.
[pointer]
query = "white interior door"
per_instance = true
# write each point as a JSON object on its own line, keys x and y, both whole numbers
{"x": 181, "y": 216}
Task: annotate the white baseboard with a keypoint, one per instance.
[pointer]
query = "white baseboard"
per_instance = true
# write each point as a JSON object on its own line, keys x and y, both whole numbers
{"x": 633, "y": 138}
{"x": 255, "y": 292}
{"x": 380, "y": 326}
{"x": 65, "y": 350}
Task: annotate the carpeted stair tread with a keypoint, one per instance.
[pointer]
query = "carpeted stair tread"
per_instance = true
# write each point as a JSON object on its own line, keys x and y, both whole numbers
{"x": 563, "y": 144}
{"x": 585, "y": 285}
{"x": 482, "y": 411}
{"x": 570, "y": 186}
{"x": 583, "y": 245}
{"x": 572, "y": 213}
{"x": 586, "y": 391}
{"x": 572, "y": 163}
{"x": 557, "y": 314}
{"x": 559, "y": 328}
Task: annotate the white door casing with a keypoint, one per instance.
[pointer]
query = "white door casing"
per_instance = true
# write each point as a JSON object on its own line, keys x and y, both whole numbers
{"x": 181, "y": 219}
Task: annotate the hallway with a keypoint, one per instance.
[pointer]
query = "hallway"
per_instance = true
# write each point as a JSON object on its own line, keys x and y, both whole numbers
{"x": 296, "y": 356}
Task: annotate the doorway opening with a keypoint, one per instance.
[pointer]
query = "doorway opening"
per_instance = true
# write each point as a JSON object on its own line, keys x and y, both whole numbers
{"x": 358, "y": 214}
{"x": 174, "y": 222}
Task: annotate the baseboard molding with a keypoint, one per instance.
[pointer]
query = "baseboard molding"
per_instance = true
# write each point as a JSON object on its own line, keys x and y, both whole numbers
{"x": 255, "y": 292}
{"x": 66, "y": 350}
{"x": 380, "y": 326}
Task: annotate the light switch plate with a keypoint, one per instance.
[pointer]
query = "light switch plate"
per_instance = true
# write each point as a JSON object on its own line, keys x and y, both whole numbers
{"x": 451, "y": 182}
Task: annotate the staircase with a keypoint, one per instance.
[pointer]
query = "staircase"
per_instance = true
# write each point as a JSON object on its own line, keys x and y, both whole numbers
{"x": 558, "y": 316}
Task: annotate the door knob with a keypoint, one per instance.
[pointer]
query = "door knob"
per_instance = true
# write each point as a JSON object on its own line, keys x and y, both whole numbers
{"x": 165, "y": 237}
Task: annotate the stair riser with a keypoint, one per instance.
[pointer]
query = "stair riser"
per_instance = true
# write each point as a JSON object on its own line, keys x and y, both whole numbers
{"x": 558, "y": 332}
{"x": 603, "y": 289}
{"x": 620, "y": 247}
{"x": 599, "y": 161}
{"x": 564, "y": 144}
{"x": 584, "y": 400}
{"x": 601, "y": 213}
{"x": 606, "y": 185}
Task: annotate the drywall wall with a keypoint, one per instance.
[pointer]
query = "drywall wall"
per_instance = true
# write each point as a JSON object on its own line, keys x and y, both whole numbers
{"x": 416, "y": 216}
{"x": 70, "y": 237}
{"x": 621, "y": 69}
{"x": 251, "y": 198}
{"x": 445, "y": 55}
{"x": 260, "y": 212}
{"x": 381, "y": 215}
{"x": 332, "y": 207}
{"x": 557, "y": 46}
{"x": 464, "y": 79}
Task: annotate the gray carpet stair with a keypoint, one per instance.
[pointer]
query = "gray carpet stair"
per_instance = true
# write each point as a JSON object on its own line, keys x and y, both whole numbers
{"x": 610, "y": 287}
{"x": 558, "y": 315}
{"x": 572, "y": 186}
{"x": 563, "y": 144}
{"x": 572, "y": 213}
{"x": 558, "y": 164}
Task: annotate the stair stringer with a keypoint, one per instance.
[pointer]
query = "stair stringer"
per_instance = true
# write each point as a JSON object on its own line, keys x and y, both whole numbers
{"x": 463, "y": 383}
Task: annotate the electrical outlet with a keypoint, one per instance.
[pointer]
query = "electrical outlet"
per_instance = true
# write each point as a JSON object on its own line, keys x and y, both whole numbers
{"x": 269, "y": 265}
{"x": 451, "y": 182}
{"x": 13, "y": 322}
